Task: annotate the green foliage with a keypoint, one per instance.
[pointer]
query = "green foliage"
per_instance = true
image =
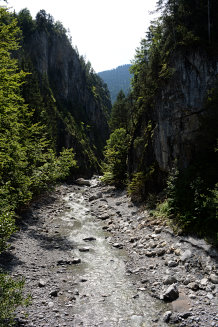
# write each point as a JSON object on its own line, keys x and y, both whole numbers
{"x": 140, "y": 184}
{"x": 7, "y": 226}
{"x": 26, "y": 22}
{"x": 120, "y": 113}
{"x": 194, "y": 21}
{"x": 115, "y": 164}
{"x": 136, "y": 186}
{"x": 97, "y": 87}
{"x": 193, "y": 202}
{"x": 11, "y": 296}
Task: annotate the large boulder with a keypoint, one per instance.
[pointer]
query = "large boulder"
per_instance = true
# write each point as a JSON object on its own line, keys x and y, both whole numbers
{"x": 83, "y": 182}
{"x": 171, "y": 294}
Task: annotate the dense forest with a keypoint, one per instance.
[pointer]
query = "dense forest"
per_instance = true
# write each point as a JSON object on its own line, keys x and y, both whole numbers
{"x": 163, "y": 145}
{"x": 117, "y": 79}
{"x": 56, "y": 115}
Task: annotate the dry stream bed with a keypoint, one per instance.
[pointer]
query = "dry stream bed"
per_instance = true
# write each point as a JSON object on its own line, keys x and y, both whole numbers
{"x": 92, "y": 258}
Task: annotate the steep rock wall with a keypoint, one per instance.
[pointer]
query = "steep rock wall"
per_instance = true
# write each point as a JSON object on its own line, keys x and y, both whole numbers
{"x": 76, "y": 102}
{"x": 179, "y": 107}
{"x": 52, "y": 55}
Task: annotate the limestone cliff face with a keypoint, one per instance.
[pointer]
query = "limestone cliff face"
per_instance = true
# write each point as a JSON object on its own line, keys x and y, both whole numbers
{"x": 179, "y": 106}
{"x": 172, "y": 131}
{"x": 52, "y": 55}
{"x": 82, "y": 101}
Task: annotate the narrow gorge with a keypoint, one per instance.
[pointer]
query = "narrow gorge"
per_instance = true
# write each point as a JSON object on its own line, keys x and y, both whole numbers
{"x": 108, "y": 212}
{"x": 93, "y": 258}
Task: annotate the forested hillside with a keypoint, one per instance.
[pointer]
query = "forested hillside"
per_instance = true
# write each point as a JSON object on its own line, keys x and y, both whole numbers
{"x": 164, "y": 134}
{"x": 117, "y": 79}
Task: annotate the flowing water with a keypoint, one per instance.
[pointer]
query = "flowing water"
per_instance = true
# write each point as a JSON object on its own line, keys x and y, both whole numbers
{"x": 107, "y": 294}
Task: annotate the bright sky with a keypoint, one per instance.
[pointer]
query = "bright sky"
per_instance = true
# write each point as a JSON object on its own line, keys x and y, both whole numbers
{"x": 106, "y": 32}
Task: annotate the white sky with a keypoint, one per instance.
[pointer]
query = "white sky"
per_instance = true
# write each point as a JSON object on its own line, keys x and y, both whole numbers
{"x": 106, "y": 32}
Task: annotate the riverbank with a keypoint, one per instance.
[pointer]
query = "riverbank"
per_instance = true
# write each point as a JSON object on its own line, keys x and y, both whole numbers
{"x": 163, "y": 260}
{"x": 92, "y": 258}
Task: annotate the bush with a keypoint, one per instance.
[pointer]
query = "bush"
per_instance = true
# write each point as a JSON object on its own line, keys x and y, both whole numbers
{"x": 193, "y": 201}
{"x": 136, "y": 186}
{"x": 11, "y": 296}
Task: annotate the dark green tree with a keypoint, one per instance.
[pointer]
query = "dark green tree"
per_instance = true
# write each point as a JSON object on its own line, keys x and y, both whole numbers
{"x": 115, "y": 163}
{"x": 120, "y": 113}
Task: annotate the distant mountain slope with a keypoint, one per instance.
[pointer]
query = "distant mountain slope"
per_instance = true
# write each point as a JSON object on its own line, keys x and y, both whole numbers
{"x": 117, "y": 79}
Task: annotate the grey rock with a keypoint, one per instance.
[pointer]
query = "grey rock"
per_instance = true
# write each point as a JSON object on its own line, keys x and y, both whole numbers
{"x": 104, "y": 216}
{"x": 210, "y": 296}
{"x": 64, "y": 262}
{"x": 150, "y": 253}
{"x": 83, "y": 280}
{"x": 117, "y": 245}
{"x": 83, "y": 182}
{"x": 42, "y": 283}
{"x": 214, "y": 278}
{"x": 193, "y": 286}
{"x": 169, "y": 280}
{"x": 96, "y": 196}
{"x": 76, "y": 261}
{"x": 186, "y": 255}
{"x": 54, "y": 293}
{"x": 89, "y": 239}
{"x": 172, "y": 263}
{"x": 175, "y": 94}
{"x": 204, "y": 281}
{"x": 185, "y": 315}
{"x": 171, "y": 294}
{"x": 208, "y": 269}
{"x": 192, "y": 296}
{"x": 166, "y": 316}
{"x": 187, "y": 281}
{"x": 160, "y": 252}
{"x": 158, "y": 230}
{"x": 84, "y": 249}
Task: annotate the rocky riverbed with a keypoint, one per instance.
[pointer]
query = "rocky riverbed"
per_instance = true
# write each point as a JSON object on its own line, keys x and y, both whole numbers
{"x": 90, "y": 257}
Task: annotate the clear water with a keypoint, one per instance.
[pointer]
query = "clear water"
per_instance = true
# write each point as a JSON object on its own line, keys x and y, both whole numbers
{"x": 109, "y": 297}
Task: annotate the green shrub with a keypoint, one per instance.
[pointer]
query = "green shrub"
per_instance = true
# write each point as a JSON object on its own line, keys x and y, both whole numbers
{"x": 11, "y": 296}
{"x": 139, "y": 186}
{"x": 136, "y": 186}
{"x": 193, "y": 201}
{"x": 7, "y": 227}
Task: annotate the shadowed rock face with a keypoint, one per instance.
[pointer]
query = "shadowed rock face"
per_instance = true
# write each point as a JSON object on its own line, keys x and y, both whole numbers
{"x": 54, "y": 56}
{"x": 176, "y": 117}
{"x": 76, "y": 99}
{"x": 179, "y": 107}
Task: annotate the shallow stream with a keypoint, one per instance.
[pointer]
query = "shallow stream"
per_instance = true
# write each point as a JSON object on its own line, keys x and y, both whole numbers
{"x": 107, "y": 294}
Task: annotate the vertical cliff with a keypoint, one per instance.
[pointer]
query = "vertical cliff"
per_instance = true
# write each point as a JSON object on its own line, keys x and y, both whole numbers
{"x": 173, "y": 127}
{"x": 180, "y": 108}
{"x": 75, "y": 102}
